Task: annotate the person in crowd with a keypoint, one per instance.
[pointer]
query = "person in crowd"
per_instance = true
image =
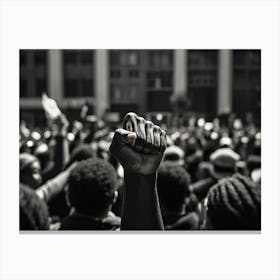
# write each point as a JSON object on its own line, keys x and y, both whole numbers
{"x": 175, "y": 155}
{"x": 33, "y": 210}
{"x": 173, "y": 190}
{"x": 92, "y": 190}
{"x": 223, "y": 163}
{"x": 30, "y": 170}
{"x": 81, "y": 152}
{"x": 139, "y": 147}
{"x": 234, "y": 203}
{"x": 193, "y": 157}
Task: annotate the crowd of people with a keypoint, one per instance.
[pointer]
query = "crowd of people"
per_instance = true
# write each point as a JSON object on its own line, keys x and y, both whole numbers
{"x": 184, "y": 173}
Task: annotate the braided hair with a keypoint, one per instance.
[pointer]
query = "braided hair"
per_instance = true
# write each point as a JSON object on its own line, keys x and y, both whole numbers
{"x": 235, "y": 204}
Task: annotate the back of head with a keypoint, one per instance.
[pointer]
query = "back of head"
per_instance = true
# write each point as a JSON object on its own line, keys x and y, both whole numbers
{"x": 25, "y": 160}
{"x": 235, "y": 204}
{"x": 173, "y": 185}
{"x": 81, "y": 152}
{"x": 91, "y": 186}
{"x": 30, "y": 170}
{"x": 174, "y": 154}
{"x": 223, "y": 163}
{"x": 191, "y": 146}
{"x": 33, "y": 211}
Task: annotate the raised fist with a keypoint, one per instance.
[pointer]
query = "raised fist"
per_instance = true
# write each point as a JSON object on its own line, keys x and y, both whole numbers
{"x": 139, "y": 146}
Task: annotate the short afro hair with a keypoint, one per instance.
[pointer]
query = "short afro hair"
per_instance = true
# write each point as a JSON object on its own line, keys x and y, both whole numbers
{"x": 81, "y": 152}
{"x": 173, "y": 185}
{"x": 91, "y": 186}
{"x": 33, "y": 211}
{"x": 235, "y": 204}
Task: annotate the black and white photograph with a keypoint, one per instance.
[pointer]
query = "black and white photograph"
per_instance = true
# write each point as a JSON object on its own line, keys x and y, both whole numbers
{"x": 140, "y": 139}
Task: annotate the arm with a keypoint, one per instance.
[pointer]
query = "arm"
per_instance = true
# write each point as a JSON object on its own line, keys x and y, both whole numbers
{"x": 54, "y": 186}
{"x": 139, "y": 148}
{"x": 59, "y": 131}
{"x": 141, "y": 208}
{"x": 61, "y": 147}
{"x": 61, "y": 156}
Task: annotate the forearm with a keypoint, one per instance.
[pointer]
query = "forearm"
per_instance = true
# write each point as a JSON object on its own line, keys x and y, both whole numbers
{"x": 141, "y": 210}
{"x": 61, "y": 155}
{"x": 53, "y": 187}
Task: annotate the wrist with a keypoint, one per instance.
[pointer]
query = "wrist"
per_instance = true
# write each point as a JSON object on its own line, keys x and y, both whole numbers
{"x": 140, "y": 180}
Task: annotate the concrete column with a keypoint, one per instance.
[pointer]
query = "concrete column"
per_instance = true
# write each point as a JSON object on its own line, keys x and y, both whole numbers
{"x": 224, "y": 100}
{"x": 101, "y": 80}
{"x": 55, "y": 75}
{"x": 180, "y": 72}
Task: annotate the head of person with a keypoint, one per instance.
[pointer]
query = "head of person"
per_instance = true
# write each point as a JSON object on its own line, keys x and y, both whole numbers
{"x": 191, "y": 146}
{"x": 225, "y": 142}
{"x": 175, "y": 155}
{"x": 81, "y": 152}
{"x": 33, "y": 211}
{"x": 92, "y": 187}
{"x": 223, "y": 163}
{"x": 173, "y": 187}
{"x": 234, "y": 204}
{"x": 30, "y": 170}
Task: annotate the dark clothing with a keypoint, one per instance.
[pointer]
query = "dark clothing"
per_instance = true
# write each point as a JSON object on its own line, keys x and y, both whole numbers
{"x": 60, "y": 154}
{"x": 188, "y": 221}
{"x": 201, "y": 188}
{"x": 84, "y": 222}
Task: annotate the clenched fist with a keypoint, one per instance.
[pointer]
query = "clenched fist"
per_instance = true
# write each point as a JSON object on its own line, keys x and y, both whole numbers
{"x": 139, "y": 146}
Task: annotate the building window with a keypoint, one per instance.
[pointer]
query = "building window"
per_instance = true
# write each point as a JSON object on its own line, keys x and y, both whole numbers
{"x": 33, "y": 73}
{"x": 140, "y": 78}
{"x": 78, "y": 73}
{"x": 202, "y": 81}
{"x": 124, "y": 69}
{"x": 159, "y": 79}
{"x": 247, "y": 82}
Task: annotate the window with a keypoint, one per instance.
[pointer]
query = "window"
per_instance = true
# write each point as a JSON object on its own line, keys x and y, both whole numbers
{"x": 139, "y": 77}
{"x": 78, "y": 73}
{"x": 160, "y": 58}
{"x": 124, "y": 69}
{"x": 159, "y": 79}
{"x": 33, "y": 72}
{"x": 247, "y": 82}
{"x": 202, "y": 81}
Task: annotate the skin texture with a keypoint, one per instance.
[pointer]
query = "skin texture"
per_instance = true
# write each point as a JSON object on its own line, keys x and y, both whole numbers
{"x": 139, "y": 147}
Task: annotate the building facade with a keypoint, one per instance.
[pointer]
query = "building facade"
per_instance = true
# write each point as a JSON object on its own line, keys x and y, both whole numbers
{"x": 213, "y": 81}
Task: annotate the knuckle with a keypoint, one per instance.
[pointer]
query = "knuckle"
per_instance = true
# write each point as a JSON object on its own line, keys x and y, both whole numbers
{"x": 149, "y": 124}
{"x": 141, "y": 120}
{"x": 157, "y": 129}
{"x": 130, "y": 115}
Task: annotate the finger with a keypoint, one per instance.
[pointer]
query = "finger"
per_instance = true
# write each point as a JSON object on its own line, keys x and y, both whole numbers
{"x": 149, "y": 129}
{"x": 157, "y": 132}
{"x": 132, "y": 138}
{"x": 163, "y": 141}
{"x": 123, "y": 152}
{"x": 122, "y": 137}
{"x": 141, "y": 135}
{"x": 130, "y": 122}
{"x": 141, "y": 128}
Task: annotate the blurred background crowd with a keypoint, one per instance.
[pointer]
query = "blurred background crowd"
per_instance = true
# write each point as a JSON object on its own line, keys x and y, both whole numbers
{"x": 207, "y": 101}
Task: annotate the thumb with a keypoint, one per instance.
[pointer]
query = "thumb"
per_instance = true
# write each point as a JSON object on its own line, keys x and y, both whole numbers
{"x": 122, "y": 138}
{"x": 125, "y": 136}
